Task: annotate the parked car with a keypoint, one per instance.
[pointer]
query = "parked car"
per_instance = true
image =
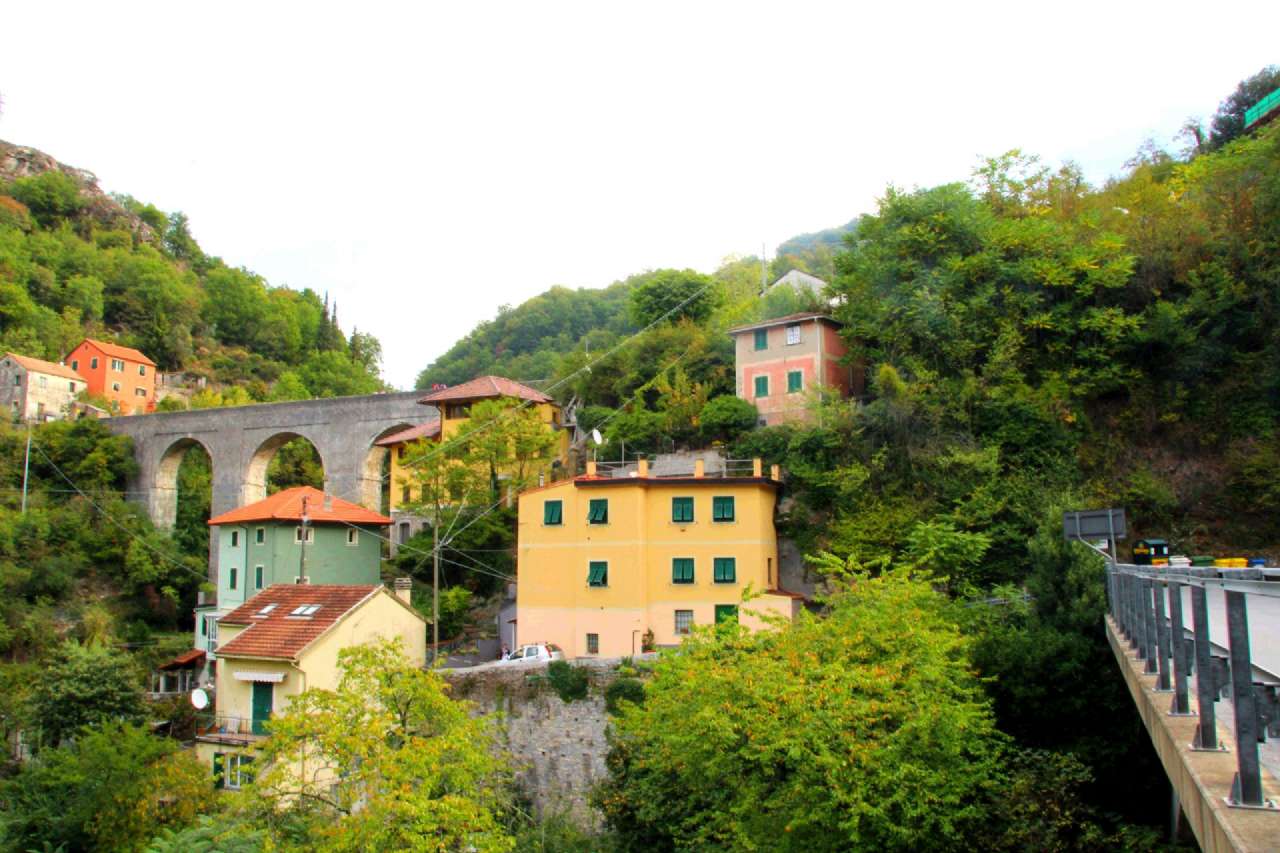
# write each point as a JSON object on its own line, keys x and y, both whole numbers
{"x": 541, "y": 652}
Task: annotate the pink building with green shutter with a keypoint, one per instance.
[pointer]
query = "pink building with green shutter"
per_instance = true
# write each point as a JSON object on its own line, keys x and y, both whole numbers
{"x": 778, "y": 362}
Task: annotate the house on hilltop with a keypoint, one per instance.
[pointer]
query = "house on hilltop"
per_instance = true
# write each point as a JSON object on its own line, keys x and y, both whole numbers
{"x": 32, "y": 389}
{"x": 286, "y": 640}
{"x": 778, "y": 361}
{"x": 122, "y": 375}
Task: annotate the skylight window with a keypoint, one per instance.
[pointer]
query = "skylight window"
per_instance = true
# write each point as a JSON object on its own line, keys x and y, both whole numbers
{"x": 264, "y": 611}
{"x": 305, "y": 610}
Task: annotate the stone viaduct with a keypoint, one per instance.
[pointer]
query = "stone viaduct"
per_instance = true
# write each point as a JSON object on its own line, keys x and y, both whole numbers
{"x": 241, "y": 440}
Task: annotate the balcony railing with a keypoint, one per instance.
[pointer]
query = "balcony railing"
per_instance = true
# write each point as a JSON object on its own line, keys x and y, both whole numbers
{"x": 224, "y": 728}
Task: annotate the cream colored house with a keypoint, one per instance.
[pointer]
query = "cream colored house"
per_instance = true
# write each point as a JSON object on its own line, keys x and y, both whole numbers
{"x": 286, "y": 640}
{"x": 32, "y": 389}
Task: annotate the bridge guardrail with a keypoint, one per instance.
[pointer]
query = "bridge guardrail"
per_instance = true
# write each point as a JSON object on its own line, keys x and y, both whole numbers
{"x": 1146, "y": 603}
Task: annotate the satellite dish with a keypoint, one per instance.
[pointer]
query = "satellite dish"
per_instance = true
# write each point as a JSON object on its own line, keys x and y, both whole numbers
{"x": 199, "y": 699}
{"x": 595, "y": 436}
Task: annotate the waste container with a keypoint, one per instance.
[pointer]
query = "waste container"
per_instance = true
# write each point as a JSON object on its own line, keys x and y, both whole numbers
{"x": 1146, "y": 550}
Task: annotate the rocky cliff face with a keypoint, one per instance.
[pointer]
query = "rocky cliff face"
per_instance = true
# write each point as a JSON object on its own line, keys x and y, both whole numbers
{"x": 20, "y": 161}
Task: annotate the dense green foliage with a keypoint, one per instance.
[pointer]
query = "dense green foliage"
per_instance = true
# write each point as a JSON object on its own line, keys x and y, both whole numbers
{"x": 568, "y": 681}
{"x": 86, "y": 687}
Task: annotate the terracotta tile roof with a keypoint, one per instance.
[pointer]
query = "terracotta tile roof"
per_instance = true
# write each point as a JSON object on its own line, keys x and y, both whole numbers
{"x": 278, "y": 633}
{"x": 117, "y": 351}
{"x": 39, "y": 365}
{"x": 429, "y": 429}
{"x": 790, "y": 318}
{"x": 486, "y": 386}
{"x": 187, "y": 658}
{"x": 287, "y": 506}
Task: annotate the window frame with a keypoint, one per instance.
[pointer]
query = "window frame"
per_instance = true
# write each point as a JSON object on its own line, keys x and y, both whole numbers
{"x": 603, "y": 579}
{"x": 718, "y": 564}
{"x": 593, "y": 643}
{"x": 260, "y": 535}
{"x": 718, "y": 503}
{"x": 93, "y": 363}
{"x": 258, "y": 572}
{"x": 678, "y": 575}
{"x": 761, "y": 340}
{"x": 235, "y": 539}
{"x": 796, "y": 386}
{"x": 591, "y": 511}
{"x": 353, "y": 537}
{"x": 550, "y": 518}
{"x": 756, "y": 385}
{"x": 688, "y": 627}
{"x": 231, "y": 577}
{"x": 678, "y": 505}
{"x": 297, "y": 535}
{"x": 793, "y": 335}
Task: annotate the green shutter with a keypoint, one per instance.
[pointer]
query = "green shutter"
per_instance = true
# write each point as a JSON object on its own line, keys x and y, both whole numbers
{"x": 726, "y": 613}
{"x": 682, "y": 570}
{"x": 794, "y": 381}
{"x": 552, "y": 512}
{"x": 762, "y": 339}
{"x": 762, "y": 386}
{"x": 231, "y": 580}
{"x": 722, "y": 508}
{"x": 598, "y": 574}
{"x": 682, "y": 510}
{"x": 257, "y": 576}
{"x": 598, "y": 512}
{"x": 726, "y": 570}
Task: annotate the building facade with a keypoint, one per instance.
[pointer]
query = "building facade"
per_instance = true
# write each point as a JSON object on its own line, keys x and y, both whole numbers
{"x": 32, "y": 389}
{"x": 608, "y": 565}
{"x": 454, "y": 414}
{"x": 285, "y": 640}
{"x": 266, "y": 543}
{"x": 779, "y": 363}
{"x": 121, "y": 375}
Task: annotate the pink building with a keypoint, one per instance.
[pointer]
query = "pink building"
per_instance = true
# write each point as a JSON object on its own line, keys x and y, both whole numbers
{"x": 778, "y": 361}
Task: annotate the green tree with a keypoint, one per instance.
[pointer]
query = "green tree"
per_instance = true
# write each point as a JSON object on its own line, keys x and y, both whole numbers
{"x": 726, "y": 417}
{"x": 508, "y": 440}
{"x": 49, "y": 196}
{"x": 862, "y": 730}
{"x": 673, "y": 295}
{"x": 111, "y": 789}
{"x": 86, "y": 686}
{"x": 387, "y": 761}
{"x": 1228, "y": 121}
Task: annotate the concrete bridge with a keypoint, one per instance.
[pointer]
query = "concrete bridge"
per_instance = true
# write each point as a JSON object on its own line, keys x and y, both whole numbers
{"x": 241, "y": 440}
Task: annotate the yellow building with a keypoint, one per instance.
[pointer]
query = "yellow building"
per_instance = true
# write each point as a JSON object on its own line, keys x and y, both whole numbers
{"x": 454, "y": 407}
{"x": 603, "y": 560}
{"x": 286, "y": 640}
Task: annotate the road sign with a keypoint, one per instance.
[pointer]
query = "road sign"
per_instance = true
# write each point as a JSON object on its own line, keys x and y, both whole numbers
{"x": 1093, "y": 524}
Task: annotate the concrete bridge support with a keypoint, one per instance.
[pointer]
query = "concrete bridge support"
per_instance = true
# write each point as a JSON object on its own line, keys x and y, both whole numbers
{"x": 241, "y": 441}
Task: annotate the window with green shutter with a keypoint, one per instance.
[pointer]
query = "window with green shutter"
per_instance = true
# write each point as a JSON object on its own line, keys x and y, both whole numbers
{"x": 726, "y": 613}
{"x": 682, "y": 570}
{"x": 257, "y": 577}
{"x": 231, "y": 579}
{"x": 597, "y": 573}
{"x": 682, "y": 510}
{"x": 762, "y": 386}
{"x": 795, "y": 381}
{"x": 722, "y": 508}
{"x": 553, "y": 512}
{"x": 725, "y": 570}
{"x": 598, "y": 511}
{"x": 762, "y": 339}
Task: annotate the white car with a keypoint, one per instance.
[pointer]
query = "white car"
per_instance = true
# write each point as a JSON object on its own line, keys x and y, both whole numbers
{"x": 541, "y": 652}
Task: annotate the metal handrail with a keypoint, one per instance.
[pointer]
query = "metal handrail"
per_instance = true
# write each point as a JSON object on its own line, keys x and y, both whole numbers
{"x": 1139, "y": 597}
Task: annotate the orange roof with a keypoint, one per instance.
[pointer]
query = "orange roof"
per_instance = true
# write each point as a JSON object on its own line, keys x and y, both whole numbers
{"x": 287, "y": 506}
{"x": 486, "y": 386}
{"x": 279, "y": 633}
{"x": 39, "y": 365}
{"x": 187, "y": 658}
{"x": 790, "y": 318}
{"x": 117, "y": 351}
{"x": 429, "y": 429}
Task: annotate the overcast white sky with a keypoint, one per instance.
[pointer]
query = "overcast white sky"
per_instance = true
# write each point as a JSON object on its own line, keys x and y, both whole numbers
{"x": 426, "y": 163}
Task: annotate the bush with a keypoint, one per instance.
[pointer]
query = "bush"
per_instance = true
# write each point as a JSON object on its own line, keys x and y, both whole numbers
{"x": 726, "y": 417}
{"x": 569, "y": 682}
{"x": 623, "y": 690}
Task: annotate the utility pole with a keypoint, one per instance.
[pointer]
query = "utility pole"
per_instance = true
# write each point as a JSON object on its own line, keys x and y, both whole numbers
{"x": 26, "y": 469}
{"x": 435, "y": 588}
{"x": 302, "y": 557}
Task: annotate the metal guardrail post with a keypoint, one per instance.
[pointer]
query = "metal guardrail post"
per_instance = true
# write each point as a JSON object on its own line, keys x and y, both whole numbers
{"x": 1207, "y": 731}
{"x": 1139, "y": 618}
{"x": 1126, "y": 605}
{"x": 1246, "y": 790}
{"x": 1181, "y": 706}
{"x": 1149, "y": 624}
{"x": 1163, "y": 645}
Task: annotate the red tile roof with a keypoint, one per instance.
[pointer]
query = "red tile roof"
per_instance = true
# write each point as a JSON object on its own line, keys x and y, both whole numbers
{"x": 287, "y": 506}
{"x": 429, "y": 429}
{"x": 790, "y": 318}
{"x": 278, "y": 633}
{"x": 39, "y": 365}
{"x": 117, "y": 351}
{"x": 486, "y": 386}
{"x": 187, "y": 658}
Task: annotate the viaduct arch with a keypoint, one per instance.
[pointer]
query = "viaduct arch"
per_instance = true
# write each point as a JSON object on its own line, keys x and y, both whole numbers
{"x": 241, "y": 440}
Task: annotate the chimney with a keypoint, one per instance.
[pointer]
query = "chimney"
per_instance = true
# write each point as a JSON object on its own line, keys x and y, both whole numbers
{"x": 757, "y": 467}
{"x": 775, "y": 473}
{"x": 302, "y": 580}
{"x": 328, "y": 502}
{"x": 404, "y": 589}
{"x": 699, "y": 468}
{"x": 591, "y": 467}
{"x": 642, "y": 468}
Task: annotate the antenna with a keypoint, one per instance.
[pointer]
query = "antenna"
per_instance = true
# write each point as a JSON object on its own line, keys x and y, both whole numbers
{"x": 199, "y": 699}
{"x": 596, "y": 437}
